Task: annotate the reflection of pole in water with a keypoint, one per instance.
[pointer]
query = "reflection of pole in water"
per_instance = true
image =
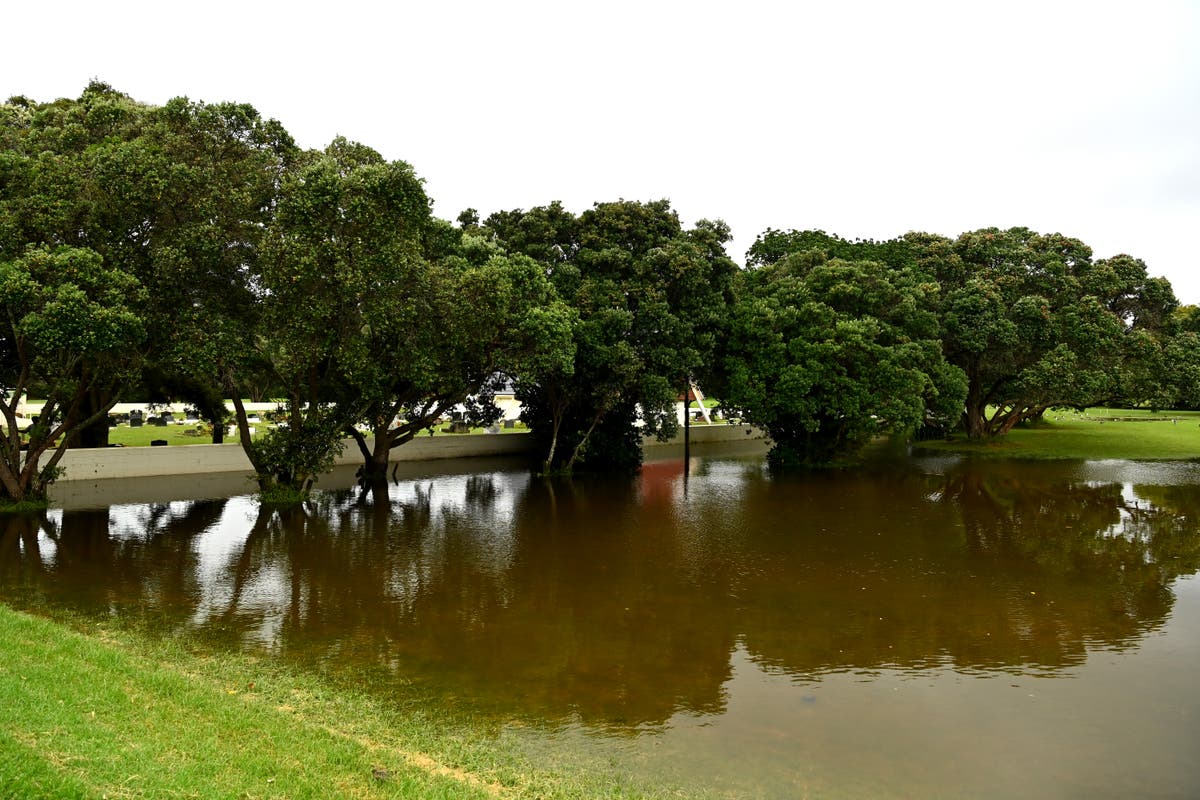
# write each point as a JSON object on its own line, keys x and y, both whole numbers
{"x": 690, "y": 392}
{"x": 687, "y": 431}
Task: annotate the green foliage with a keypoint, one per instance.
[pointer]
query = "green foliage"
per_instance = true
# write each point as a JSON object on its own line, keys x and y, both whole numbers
{"x": 826, "y": 355}
{"x": 1030, "y": 319}
{"x": 72, "y": 326}
{"x": 456, "y": 322}
{"x": 344, "y": 247}
{"x": 192, "y": 251}
{"x": 649, "y": 301}
{"x": 1035, "y": 323}
{"x": 173, "y": 198}
{"x": 29, "y": 505}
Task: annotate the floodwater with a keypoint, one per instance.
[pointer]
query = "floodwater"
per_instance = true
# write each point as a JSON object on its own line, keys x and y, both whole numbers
{"x": 921, "y": 627}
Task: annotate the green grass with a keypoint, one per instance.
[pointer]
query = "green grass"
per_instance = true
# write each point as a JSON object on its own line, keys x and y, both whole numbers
{"x": 126, "y": 436}
{"x": 91, "y": 710}
{"x": 174, "y": 434}
{"x": 1098, "y": 433}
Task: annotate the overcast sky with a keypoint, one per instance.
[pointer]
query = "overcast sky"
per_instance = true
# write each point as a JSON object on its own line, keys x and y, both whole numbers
{"x": 862, "y": 119}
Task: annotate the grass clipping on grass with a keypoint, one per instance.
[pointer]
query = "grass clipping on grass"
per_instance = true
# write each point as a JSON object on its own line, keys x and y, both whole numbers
{"x": 89, "y": 716}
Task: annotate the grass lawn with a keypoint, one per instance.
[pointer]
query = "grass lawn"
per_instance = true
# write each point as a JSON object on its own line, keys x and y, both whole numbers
{"x": 90, "y": 710}
{"x": 174, "y": 434}
{"x": 126, "y": 436}
{"x": 1100, "y": 433}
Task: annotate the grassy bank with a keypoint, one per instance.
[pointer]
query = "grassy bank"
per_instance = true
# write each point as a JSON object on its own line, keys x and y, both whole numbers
{"x": 1098, "y": 433}
{"x": 87, "y": 710}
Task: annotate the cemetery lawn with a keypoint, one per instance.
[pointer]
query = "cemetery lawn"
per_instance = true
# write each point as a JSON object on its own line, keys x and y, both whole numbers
{"x": 1099, "y": 433}
{"x": 126, "y": 436}
{"x": 92, "y": 710}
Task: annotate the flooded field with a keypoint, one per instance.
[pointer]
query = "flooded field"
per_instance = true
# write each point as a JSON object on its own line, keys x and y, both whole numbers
{"x": 916, "y": 628}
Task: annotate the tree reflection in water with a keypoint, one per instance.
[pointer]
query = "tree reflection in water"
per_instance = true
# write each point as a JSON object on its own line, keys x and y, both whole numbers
{"x": 619, "y": 603}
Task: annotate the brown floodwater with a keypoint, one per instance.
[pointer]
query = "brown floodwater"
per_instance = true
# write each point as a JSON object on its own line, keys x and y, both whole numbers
{"x": 920, "y": 627}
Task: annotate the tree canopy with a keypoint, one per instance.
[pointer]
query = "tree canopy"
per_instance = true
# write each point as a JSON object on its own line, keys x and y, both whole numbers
{"x": 826, "y": 354}
{"x": 650, "y": 299}
{"x": 1030, "y": 319}
{"x": 193, "y": 251}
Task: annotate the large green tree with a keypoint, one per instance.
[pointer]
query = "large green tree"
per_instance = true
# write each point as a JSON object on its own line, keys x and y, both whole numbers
{"x": 455, "y": 323}
{"x": 828, "y": 354}
{"x": 1031, "y": 319}
{"x": 1035, "y": 322}
{"x": 347, "y": 236}
{"x": 175, "y": 196}
{"x": 651, "y": 299}
{"x": 225, "y": 164}
{"x": 71, "y": 328}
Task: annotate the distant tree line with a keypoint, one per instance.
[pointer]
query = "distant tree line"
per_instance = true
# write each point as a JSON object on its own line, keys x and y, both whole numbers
{"x": 193, "y": 252}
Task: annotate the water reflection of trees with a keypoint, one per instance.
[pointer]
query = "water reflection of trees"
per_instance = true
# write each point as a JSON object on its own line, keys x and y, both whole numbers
{"x": 125, "y": 560}
{"x": 979, "y": 568}
{"x": 620, "y": 603}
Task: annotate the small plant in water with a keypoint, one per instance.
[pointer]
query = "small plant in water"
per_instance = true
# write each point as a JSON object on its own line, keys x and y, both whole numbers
{"x": 27, "y": 506}
{"x": 279, "y": 496}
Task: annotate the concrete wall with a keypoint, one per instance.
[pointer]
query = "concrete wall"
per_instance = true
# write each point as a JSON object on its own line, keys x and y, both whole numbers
{"x": 195, "y": 459}
{"x": 199, "y": 459}
{"x": 711, "y": 434}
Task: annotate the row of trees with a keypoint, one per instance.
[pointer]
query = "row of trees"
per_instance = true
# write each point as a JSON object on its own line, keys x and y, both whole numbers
{"x": 836, "y": 341}
{"x": 194, "y": 252}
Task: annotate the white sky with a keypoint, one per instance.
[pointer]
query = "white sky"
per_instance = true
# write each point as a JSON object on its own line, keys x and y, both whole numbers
{"x": 866, "y": 119}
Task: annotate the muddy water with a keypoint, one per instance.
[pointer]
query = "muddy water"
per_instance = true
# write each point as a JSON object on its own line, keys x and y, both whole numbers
{"x": 916, "y": 628}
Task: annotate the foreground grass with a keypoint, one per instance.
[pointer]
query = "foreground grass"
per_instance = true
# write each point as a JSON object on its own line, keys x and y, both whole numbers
{"x": 1099, "y": 433}
{"x": 109, "y": 713}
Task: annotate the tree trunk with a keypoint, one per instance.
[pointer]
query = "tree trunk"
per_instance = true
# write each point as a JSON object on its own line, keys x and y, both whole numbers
{"x": 375, "y": 468}
{"x": 579, "y": 448}
{"x": 243, "y": 426}
{"x": 975, "y": 410}
{"x": 96, "y": 434}
{"x": 548, "y": 464}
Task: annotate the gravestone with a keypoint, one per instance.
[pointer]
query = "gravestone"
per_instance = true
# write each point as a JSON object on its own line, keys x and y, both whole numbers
{"x": 135, "y": 418}
{"x": 167, "y": 418}
{"x": 158, "y": 442}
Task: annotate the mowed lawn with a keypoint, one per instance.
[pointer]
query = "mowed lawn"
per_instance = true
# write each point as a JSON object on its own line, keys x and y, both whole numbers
{"x": 1098, "y": 433}
{"x": 88, "y": 710}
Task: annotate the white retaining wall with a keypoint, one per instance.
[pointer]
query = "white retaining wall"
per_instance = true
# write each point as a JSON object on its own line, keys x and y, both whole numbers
{"x": 197, "y": 459}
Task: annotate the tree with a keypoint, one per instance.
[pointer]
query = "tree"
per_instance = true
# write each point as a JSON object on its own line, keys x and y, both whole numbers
{"x": 175, "y": 196}
{"x": 1162, "y": 368}
{"x": 346, "y": 237}
{"x": 225, "y": 164}
{"x": 453, "y": 327}
{"x": 62, "y": 184}
{"x": 1035, "y": 323}
{"x": 828, "y": 354}
{"x": 1030, "y": 318}
{"x": 71, "y": 328}
{"x": 650, "y": 299}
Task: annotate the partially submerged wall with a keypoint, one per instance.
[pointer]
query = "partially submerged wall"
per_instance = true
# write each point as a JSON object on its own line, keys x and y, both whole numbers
{"x": 199, "y": 459}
